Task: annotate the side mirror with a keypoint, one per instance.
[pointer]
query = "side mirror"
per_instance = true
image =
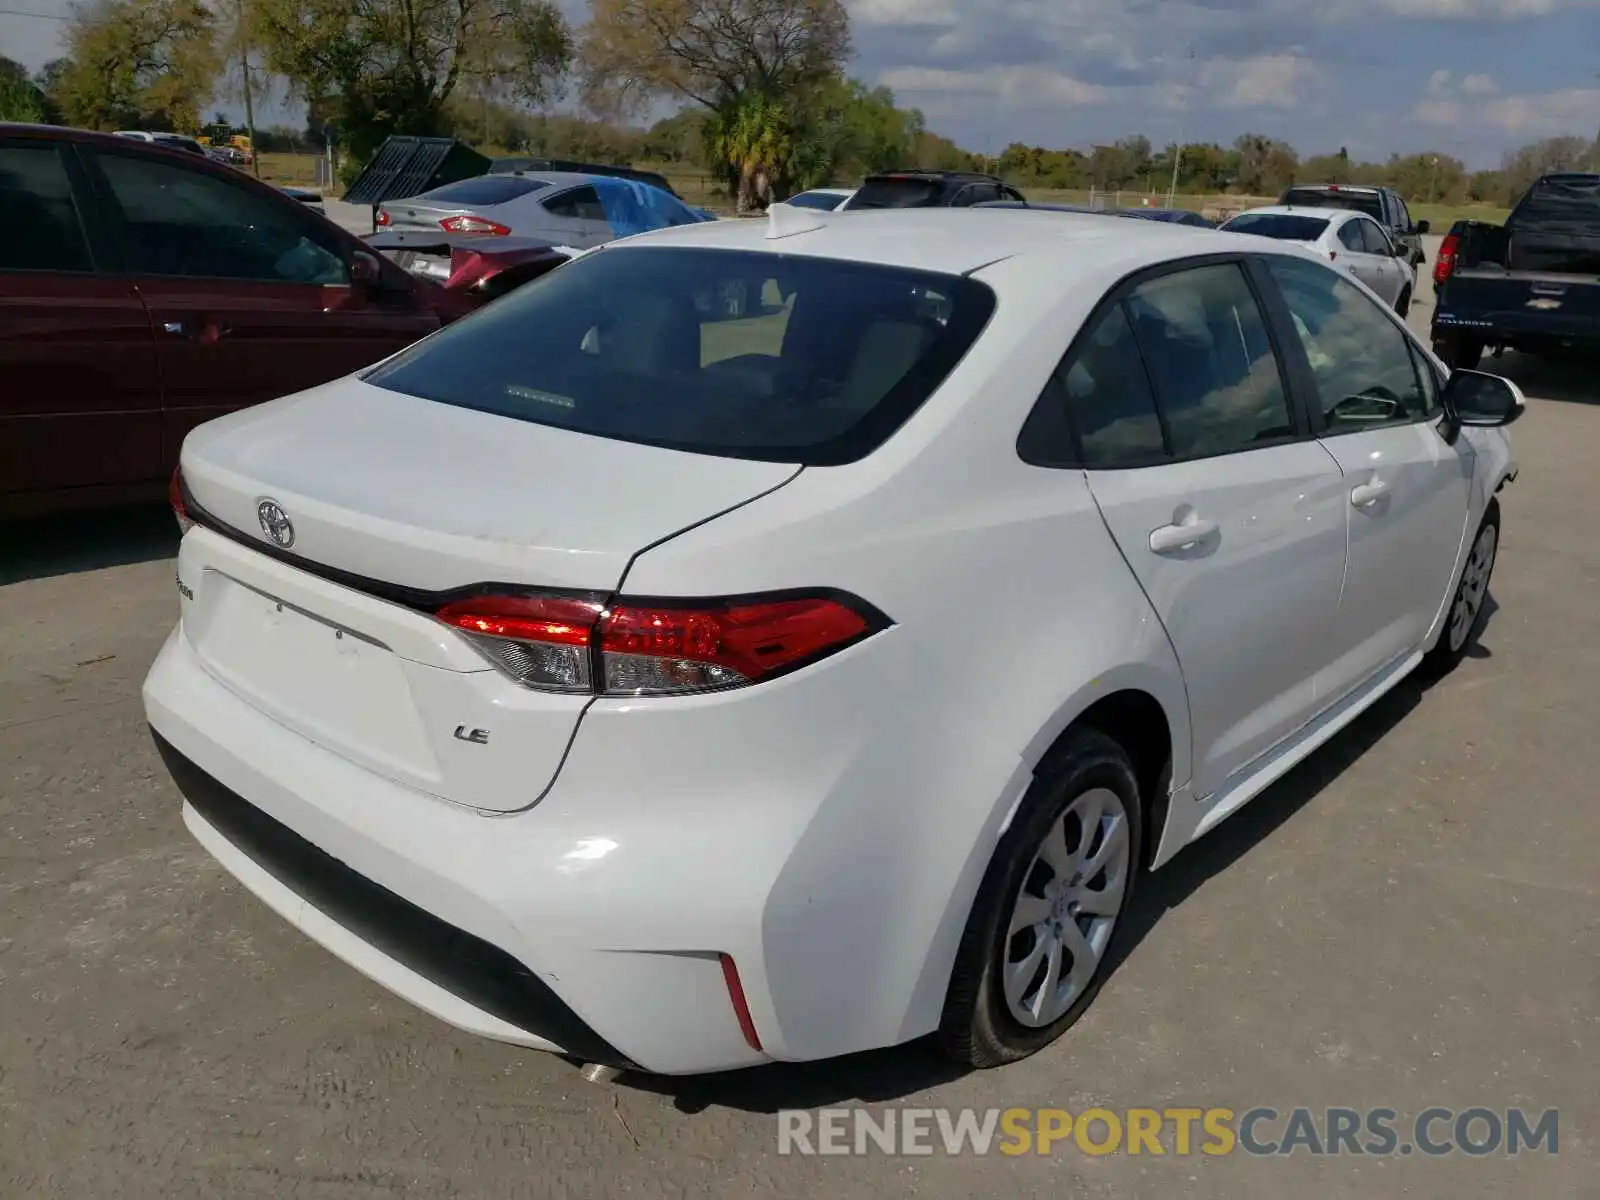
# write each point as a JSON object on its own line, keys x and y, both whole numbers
{"x": 1399, "y": 249}
{"x": 1423, "y": 227}
{"x": 365, "y": 271}
{"x": 1478, "y": 398}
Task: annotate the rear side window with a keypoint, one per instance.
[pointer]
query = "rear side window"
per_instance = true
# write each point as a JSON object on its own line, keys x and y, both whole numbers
{"x": 37, "y": 212}
{"x": 1279, "y": 225}
{"x": 582, "y": 203}
{"x": 485, "y": 189}
{"x": 1350, "y": 236}
{"x": 1216, "y": 376}
{"x": 898, "y": 193}
{"x": 1106, "y": 389}
{"x": 1374, "y": 239}
{"x": 734, "y": 353}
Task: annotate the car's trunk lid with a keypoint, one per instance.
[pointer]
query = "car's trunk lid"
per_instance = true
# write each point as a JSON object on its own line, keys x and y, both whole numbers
{"x": 398, "y": 504}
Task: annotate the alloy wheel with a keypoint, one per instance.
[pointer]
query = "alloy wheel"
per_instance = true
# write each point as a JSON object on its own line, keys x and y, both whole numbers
{"x": 1474, "y": 586}
{"x": 1064, "y": 912}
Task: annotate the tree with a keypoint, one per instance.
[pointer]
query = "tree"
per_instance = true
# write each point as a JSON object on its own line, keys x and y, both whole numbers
{"x": 379, "y": 67}
{"x": 21, "y": 99}
{"x": 757, "y": 66}
{"x": 1525, "y": 164}
{"x": 149, "y": 63}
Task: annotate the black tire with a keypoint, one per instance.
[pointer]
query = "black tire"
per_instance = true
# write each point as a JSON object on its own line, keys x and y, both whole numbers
{"x": 1460, "y": 353}
{"x": 1402, "y": 306}
{"x": 977, "y": 1028}
{"x": 1445, "y": 657}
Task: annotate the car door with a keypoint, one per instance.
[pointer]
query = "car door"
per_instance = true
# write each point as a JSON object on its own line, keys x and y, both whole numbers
{"x": 1228, "y": 512}
{"x": 80, "y": 396}
{"x": 1391, "y": 272}
{"x": 1408, "y": 488}
{"x": 250, "y": 296}
{"x": 576, "y": 218}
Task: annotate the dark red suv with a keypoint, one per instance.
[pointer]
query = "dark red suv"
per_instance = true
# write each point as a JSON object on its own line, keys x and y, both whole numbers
{"x": 144, "y": 290}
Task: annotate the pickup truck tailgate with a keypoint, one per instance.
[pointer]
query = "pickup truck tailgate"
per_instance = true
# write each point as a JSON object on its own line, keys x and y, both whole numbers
{"x": 1546, "y": 304}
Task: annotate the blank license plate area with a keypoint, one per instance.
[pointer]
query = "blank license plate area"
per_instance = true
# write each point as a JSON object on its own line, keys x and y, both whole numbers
{"x": 336, "y": 687}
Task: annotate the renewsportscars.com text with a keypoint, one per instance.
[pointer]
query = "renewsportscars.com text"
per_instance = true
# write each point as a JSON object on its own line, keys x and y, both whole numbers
{"x": 1260, "y": 1132}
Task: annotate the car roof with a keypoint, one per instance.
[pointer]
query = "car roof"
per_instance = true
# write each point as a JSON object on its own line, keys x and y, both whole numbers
{"x": 953, "y": 241}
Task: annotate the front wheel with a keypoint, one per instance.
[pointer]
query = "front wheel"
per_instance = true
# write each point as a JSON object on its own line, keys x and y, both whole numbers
{"x": 1402, "y": 306}
{"x": 1464, "y": 619}
{"x": 1044, "y": 922}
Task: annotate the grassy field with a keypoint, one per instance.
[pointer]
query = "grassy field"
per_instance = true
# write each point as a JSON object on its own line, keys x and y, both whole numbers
{"x": 699, "y": 188}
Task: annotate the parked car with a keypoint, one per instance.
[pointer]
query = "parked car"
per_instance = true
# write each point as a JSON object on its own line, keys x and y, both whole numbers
{"x": 1351, "y": 240}
{"x": 1170, "y": 216}
{"x": 1384, "y": 205}
{"x": 473, "y": 267}
{"x": 173, "y": 141}
{"x": 312, "y": 200}
{"x": 576, "y": 210}
{"x": 1532, "y": 284}
{"x": 525, "y": 163}
{"x": 812, "y": 627}
{"x": 144, "y": 290}
{"x": 929, "y": 189}
{"x": 825, "y": 198}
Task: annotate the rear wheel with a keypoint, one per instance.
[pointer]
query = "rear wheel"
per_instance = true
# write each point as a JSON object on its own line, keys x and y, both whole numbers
{"x": 1465, "y": 616}
{"x": 1047, "y": 915}
{"x": 1460, "y": 353}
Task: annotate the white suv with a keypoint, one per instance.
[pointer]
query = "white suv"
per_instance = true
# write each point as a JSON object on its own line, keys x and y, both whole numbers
{"x": 772, "y": 641}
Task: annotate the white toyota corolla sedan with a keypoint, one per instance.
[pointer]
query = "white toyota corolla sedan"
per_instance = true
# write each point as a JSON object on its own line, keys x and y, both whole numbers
{"x": 765, "y": 641}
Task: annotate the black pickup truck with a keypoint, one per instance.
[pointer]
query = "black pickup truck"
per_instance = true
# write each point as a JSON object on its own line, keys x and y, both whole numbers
{"x": 1532, "y": 284}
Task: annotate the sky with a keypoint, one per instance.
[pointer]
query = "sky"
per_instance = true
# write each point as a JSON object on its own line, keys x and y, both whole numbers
{"x": 1471, "y": 78}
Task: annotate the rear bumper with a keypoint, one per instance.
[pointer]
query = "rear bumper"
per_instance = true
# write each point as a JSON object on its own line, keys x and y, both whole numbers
{"x": 499, "y": 925}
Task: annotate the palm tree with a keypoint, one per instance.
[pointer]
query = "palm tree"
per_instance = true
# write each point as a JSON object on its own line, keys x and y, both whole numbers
{"x": 752, "y": 137}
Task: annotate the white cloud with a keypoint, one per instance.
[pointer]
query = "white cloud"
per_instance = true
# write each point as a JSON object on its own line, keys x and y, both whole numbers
{"x": 1480, "y": 85}
{"x": 1031, "y": 84}
{"x": 1437, "y": 112}
{"x": 1439, "y": 83}
{"x": 1546, "y": 114}
{"x": 1265, "y": 81}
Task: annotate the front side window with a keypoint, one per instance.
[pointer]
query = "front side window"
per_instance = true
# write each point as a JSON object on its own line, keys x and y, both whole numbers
{"x": 38, "y": 217}
{"x": 191, "y": 224}
{"x": 1216, "y": 377}
{"x": 1364, "y": 366}
{"x": 744, "y": 354}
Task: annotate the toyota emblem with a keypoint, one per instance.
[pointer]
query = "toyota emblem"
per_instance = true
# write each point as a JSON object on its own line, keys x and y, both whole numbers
{"x": 275, "y": 524}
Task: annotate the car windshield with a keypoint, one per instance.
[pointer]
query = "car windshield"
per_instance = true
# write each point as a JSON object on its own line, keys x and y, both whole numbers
{"x": 744, "y": 354}
{"x": 1361, "y": 202}
{"x": 1283, "y": 226}
{"x": 485, "y": 189}
{"x": 898, "y": 193}
{"x": 823, "y": 200}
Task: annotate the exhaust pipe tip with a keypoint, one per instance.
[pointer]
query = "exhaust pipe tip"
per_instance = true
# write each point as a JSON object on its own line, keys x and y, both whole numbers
{"x": 599, "y": 1073}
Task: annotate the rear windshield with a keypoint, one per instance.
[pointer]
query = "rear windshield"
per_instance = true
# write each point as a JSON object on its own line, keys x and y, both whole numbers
{"x": 734, "y": 353}
{"x": 823, "y": 200}
{"x": 898, "y": 193}
{"x": 485, "y": 189}
{"x": 1278, "y": 225}
{"x": 1362, "y": 202}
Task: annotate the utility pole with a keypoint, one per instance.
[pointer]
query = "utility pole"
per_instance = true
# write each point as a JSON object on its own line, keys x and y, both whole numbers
{"x": 241, "y": 33}
{"x": 1177, "y": 150}
{"x": 1433, "y": 181}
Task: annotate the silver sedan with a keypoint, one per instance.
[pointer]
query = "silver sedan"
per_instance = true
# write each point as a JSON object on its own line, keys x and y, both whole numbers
{"x": 581, "y": 211}
{"x": 1351, "y": 240}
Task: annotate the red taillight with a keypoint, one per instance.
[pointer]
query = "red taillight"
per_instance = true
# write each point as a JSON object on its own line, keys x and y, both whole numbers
{"x": 179, "y": 508}
{"x": 638, "y": 648}
{"x": 741, "y": 1007}
{"x": 1446, "y": 262}
{"x": 384, "y": 218}
{"x": 467, "y": 224}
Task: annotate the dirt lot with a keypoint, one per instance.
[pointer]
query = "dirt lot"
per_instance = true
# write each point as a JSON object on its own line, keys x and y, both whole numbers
{"x": 1412, "y": 918}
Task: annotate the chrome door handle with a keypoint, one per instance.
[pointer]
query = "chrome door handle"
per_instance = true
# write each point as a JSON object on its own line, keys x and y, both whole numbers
{"x": 1364, "y": 494}
{"x": 1171, "y": 538}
